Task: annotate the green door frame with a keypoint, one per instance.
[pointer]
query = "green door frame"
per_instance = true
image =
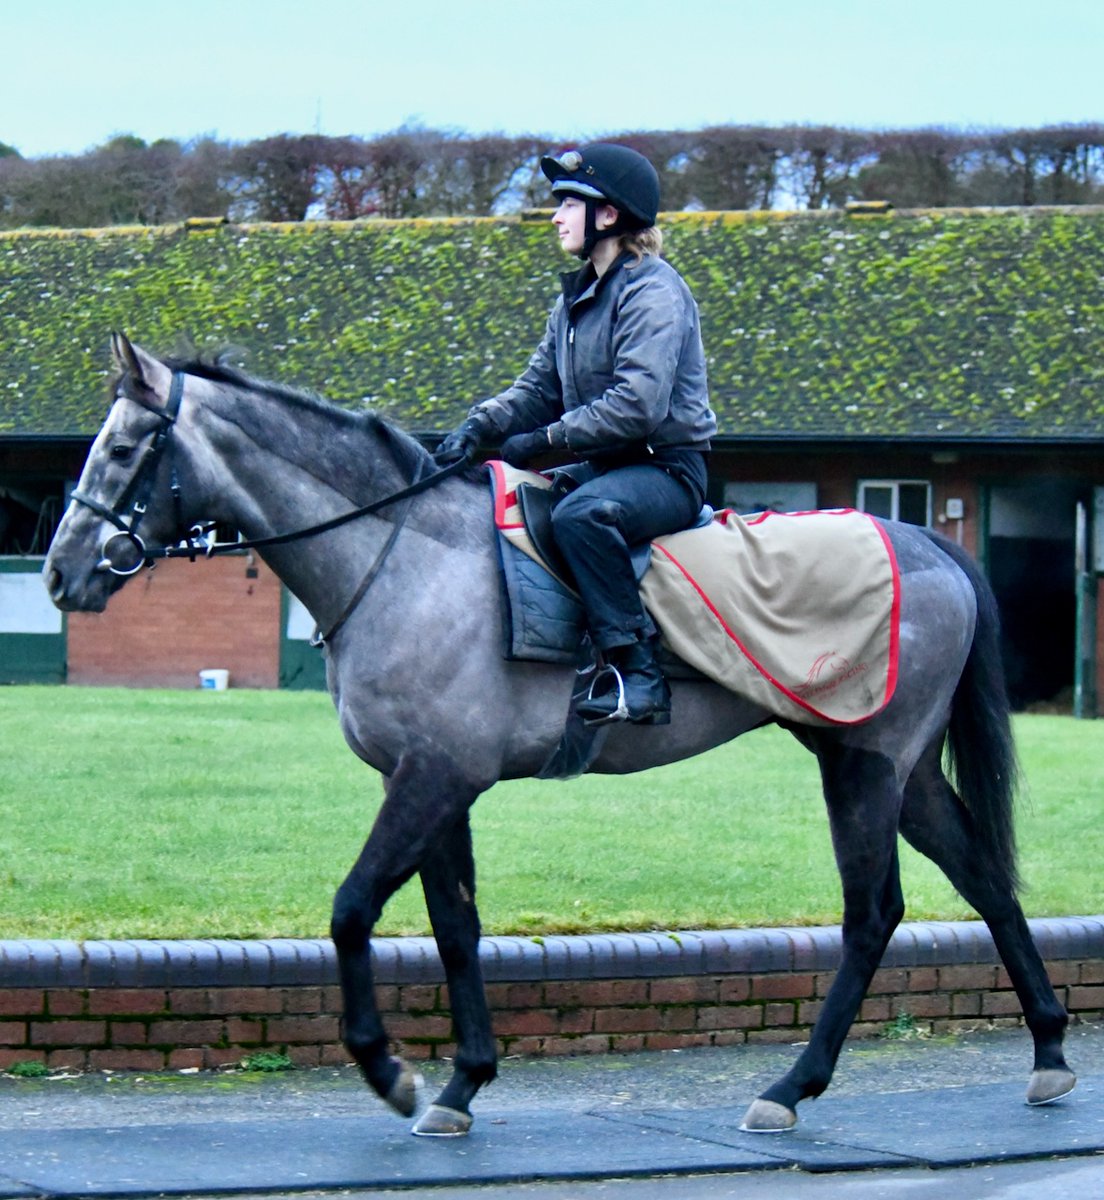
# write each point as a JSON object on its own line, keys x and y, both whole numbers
{"x": 302, "y": 666}
{"x": 32, "y": 631}
{"x": 1087, "y": 564}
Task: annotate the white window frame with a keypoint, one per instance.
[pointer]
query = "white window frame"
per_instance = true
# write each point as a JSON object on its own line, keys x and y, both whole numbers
{"x": 895, "y": 487}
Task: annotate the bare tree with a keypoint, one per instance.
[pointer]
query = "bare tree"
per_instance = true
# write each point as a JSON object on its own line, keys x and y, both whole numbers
{"x": 734, "y": 167}
{"x": 277, "y": 177}
{"x": 1067, "y": 162}
{"x": 395, "y": 161}
{"x": 415, "y": 172}
{"x": 474, "y": 175}
{"x": 916, "y": 168}
{"x": 346, "y": 183}
{"x": 820, "y": 164}
{"x": 202, "y": 179}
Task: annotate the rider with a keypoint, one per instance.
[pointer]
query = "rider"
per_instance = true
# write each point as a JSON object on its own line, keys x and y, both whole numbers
{"x": 618, "y": 380}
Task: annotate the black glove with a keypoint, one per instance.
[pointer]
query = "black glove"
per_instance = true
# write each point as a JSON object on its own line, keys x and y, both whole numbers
{"x": 522, "y": 447}
{"x": 461, "y": 444}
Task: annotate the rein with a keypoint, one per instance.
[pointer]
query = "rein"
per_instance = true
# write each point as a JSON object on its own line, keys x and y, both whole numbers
{"x": 209, "y": 549}
{"x": 127, "y": 512}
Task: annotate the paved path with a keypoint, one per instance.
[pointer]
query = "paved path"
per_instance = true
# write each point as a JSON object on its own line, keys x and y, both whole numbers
{"x": 909, "y": 1117}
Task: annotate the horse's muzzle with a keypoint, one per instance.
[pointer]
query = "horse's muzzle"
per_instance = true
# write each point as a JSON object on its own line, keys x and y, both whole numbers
{"x": 77, "y": 591}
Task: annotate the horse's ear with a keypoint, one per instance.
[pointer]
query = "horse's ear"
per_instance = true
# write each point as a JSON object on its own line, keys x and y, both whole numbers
{"x": 139, "y": 367}
{"x": 125, "y": 359}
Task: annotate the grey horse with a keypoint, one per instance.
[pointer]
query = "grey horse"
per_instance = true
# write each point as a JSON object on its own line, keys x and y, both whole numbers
{"x": 411, "y": 595}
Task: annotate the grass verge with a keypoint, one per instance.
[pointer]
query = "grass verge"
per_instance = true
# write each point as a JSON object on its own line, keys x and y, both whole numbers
{"x": 138, "y": 813}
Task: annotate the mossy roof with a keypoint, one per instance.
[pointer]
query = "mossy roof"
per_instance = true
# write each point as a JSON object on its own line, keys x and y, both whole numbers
{"x": 935, "y": 325}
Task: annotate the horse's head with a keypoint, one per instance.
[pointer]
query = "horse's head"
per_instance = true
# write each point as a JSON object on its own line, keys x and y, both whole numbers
{"x": 122, "y": 500}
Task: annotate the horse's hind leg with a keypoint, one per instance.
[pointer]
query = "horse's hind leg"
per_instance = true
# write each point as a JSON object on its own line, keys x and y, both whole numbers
{"x": 448, "y": 880}
{"x": 864, "y": 802}
{"x": 937, "y": 823}
{"x": 425, "y": 796}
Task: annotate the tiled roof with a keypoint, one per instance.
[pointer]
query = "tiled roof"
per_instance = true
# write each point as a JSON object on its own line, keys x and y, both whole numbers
{"x": 943, "y": 324}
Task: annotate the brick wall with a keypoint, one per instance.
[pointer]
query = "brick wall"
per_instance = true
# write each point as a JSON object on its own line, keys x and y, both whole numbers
{"x": 154, "y": 1029}
{"x": 168, "y": 624}
{"x": 837, "y": 476}
{"x": 154, "y": 1006}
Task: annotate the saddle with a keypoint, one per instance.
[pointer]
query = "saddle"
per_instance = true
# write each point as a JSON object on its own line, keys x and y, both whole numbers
{"x": 535, "y": 505}
{"x": 798, "y": 612}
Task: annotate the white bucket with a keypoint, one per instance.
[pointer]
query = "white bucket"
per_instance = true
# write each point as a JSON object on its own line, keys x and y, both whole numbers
{"x": 216, "y": 680}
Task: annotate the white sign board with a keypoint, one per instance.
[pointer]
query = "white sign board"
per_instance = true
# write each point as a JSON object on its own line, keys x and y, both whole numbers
{"x": 24, "y": 605}
{"x": 300, "y": 624}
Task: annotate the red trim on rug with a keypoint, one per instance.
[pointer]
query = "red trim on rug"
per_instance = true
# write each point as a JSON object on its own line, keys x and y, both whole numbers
{"x": 894, "y": 613}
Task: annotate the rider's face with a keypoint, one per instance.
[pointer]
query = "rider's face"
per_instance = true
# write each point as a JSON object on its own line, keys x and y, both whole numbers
{"x": 570, "y": 222}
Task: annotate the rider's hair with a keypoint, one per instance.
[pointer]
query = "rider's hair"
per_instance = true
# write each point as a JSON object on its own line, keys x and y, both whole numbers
{"x": 642, "y": 242}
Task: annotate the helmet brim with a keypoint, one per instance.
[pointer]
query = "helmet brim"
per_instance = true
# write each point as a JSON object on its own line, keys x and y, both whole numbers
{"x": 572, "y": 187}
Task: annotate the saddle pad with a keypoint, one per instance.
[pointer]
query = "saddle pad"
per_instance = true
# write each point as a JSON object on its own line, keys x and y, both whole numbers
{"x": 507, "y": 512}
{"x": 543, "y": 619}
{"x": 799, "y": 612}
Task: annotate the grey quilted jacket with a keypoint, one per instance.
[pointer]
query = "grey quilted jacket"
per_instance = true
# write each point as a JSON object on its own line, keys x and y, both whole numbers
{"x": 620, "y": 366}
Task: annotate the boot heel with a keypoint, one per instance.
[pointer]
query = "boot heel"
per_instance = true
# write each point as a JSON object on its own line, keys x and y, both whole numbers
{"x": 655, "y": 718}
{"x": 631, "y": 688}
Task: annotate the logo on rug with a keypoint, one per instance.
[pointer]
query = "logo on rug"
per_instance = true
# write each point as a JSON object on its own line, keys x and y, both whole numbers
{"x": 828, "y": 672}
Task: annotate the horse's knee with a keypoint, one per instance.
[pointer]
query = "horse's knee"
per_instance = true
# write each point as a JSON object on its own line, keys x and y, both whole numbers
{"x": 350, "y": 924}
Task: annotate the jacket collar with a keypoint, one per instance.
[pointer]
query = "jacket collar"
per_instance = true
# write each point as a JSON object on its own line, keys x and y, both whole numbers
{"x": 585, "y": 284}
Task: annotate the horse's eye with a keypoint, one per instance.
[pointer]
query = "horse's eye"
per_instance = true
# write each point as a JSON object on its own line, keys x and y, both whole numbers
{"x": 121, "y": 452}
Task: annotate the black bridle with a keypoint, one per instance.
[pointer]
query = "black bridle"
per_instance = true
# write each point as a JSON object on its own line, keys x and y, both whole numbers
{"x": 127, "y": 512}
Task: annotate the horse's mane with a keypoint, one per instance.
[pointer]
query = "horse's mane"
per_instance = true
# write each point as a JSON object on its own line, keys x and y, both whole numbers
{"x": 410, "y": 456}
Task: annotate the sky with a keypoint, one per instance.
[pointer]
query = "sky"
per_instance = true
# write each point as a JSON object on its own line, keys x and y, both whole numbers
{"x": 74, "y": 73}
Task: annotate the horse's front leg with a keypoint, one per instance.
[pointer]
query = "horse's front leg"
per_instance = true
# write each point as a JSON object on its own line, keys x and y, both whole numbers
{"x": 425, "y": 796}
{"x": 448, "y": 879}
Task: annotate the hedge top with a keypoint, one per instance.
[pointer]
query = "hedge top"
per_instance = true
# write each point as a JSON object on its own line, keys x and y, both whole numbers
{"x": 936, "y": 325}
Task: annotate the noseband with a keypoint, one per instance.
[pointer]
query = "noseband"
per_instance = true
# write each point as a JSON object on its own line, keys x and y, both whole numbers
{"x": 127, "y": 512}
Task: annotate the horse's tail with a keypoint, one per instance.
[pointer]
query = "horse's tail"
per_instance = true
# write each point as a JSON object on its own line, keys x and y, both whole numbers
{"x": 981, "y": 748}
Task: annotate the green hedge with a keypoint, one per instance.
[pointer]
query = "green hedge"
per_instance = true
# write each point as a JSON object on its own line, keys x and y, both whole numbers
{"x": 943, "y": 323}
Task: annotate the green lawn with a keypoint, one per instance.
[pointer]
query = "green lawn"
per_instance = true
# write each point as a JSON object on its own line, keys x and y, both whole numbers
{"x": 127, "y": 813}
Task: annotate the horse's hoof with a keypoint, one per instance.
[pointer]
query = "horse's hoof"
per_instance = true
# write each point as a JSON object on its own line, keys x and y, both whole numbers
{"x": 438, "y": 1121}
{"x": 1050, "y": 1085}
{"x": 765, "y": 1116}
{"x": 403, "y": 1096}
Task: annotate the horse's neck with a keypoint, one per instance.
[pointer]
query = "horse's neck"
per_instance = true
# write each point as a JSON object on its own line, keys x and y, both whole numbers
{"x": 272, "y": 468}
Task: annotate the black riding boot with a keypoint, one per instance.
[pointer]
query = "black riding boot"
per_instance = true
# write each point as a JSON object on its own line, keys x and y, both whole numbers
{"x": 631, "y": 688}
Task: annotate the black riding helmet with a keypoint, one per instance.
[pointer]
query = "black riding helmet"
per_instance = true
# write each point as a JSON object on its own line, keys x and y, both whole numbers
{"x": 616, "y": 175}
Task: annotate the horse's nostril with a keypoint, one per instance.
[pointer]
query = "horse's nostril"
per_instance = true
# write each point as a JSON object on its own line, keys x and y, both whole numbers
{"x": 54, "y": 583}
